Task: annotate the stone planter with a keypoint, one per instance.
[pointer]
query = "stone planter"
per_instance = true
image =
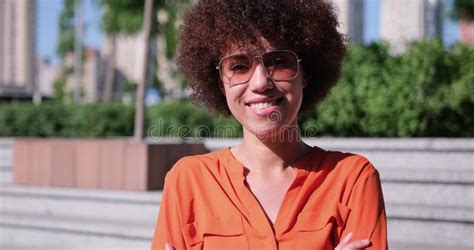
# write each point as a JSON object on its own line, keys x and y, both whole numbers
{"x": 120, "y": 164}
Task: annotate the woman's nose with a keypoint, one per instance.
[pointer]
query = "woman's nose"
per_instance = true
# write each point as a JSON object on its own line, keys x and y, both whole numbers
{"x": 260, "y": 80}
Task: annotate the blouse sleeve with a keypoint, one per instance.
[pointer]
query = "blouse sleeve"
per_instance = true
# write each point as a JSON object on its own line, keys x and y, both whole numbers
{"x": 168, "y": 227}
{"x": 367, "y": 219}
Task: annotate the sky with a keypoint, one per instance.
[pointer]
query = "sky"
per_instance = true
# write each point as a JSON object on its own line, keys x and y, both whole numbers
{"x": 47, "y": 27}
{"x": 371, "y": 24}
{"x": 48, "y": 12}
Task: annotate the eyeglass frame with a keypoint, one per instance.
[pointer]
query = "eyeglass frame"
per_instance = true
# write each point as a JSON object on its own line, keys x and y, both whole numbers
{"x": 298, "y": 60}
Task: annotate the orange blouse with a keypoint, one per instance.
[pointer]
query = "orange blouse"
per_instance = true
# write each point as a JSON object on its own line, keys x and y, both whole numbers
{"x": 206, "y": 205}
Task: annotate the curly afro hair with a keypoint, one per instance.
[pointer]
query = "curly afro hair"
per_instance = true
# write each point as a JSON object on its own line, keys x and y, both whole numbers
{"x": 307, "y": 27}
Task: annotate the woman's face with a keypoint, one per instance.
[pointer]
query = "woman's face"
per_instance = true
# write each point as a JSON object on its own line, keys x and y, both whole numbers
{"x": 265, "y": 106}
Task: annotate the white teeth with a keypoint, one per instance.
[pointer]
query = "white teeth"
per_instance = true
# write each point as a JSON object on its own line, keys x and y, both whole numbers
{"x": 261, "y": 105}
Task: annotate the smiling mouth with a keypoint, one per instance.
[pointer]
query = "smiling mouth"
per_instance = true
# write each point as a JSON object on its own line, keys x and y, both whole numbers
{"x": 265, "y": 105}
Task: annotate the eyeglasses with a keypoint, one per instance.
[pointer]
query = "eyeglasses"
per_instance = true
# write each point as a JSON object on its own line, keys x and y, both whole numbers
{"x": 281, "y": 65}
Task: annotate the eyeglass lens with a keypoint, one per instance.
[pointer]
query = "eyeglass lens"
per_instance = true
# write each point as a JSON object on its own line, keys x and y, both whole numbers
{"x": 238, "y": 69}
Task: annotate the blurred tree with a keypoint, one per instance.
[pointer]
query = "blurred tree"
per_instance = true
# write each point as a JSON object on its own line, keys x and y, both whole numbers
{"x": 66, "y": 29}
{"x": 66, "y": 44}
{"x": 140, "y": 102}
{"x": 169, "y": 19}
{"x": 126, "y": 17}
{"x": 121, "y": 17}
{"x": 60, "y": 83}
{"x": 130, "y": 17}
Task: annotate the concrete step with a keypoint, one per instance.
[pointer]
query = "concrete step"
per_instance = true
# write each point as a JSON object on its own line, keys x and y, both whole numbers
{"x": 433, "y": 194}
{"x": 393, "y": 144}
{"x": 6, "y": 175}
{"x": 394, "y": 245}
{"x": 139, "y": 207}
{"x": 6, "y": 161}
{"x": 414, "y": 226}
{"x": 420, "y": 234}
{"x": 79, "y": 225}
{"x": 73, "y": 213}
{"x": 28, "y": 236}
{"x": 430, "y": 213}
{"x": 405, "y": 155}
{"x": 421, "y": 160}
{"x": 62, "y": 218}
{"x": 426, "y": 175}
{"x": 6, "y": 152}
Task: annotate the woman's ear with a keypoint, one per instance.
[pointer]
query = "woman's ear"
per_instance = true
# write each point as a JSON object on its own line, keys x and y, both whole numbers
{"x": 305, "y": 82}
{"x": 221, "y": 87}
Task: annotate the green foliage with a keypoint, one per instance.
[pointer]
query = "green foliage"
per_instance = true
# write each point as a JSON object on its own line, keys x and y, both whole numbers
{"x": 463, "y": 9}
{"x": 29, "y": 120}
{"x": 54, "y": 119}
{"x": 182, "y": 119}
{"x": 100, "y": 120}
{"x": 168, "y": 17}
{"x": 58, "y": 120}
{"x": 125, "y": 16}
{"x": 426, "y": 91}
{"x": 129, "y": 86}
{"x": 59, "y": 92}
{"x": 453, "y": 109}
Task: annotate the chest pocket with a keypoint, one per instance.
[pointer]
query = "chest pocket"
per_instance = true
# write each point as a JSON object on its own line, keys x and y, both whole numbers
{"x": 317, "y": 229}
{"x": 216, "y": 233}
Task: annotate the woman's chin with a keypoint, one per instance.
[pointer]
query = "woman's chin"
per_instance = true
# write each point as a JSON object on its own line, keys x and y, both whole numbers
{"x": 274, "y": 132}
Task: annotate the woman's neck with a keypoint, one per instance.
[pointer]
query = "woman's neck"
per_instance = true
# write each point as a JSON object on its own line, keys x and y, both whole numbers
{"x": 269, "y": 155}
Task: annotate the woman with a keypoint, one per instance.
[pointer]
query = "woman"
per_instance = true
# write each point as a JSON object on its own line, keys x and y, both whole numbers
{"x": 265, "y": 62}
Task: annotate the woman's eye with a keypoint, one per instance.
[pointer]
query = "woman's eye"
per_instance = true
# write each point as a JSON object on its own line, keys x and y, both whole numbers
{"x": 239, "y": 67}
{"x": 279, "y": 61}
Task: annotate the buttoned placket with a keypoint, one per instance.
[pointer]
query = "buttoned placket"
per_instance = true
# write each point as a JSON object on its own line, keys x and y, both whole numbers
{"x": 253, "y": 212}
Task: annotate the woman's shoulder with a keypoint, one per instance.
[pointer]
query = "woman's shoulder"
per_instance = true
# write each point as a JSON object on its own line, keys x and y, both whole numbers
{"x": 343, "y": 170}
{"x": 196, "y": 164}
{"x": 350, "y": 163}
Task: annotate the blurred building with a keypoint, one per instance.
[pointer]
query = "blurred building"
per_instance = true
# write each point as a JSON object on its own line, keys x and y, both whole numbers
{"x": 434, "y": 14}
{"x": 404, "y": 21}
{"x": 167, "y": 71}
{"x": 17, "y": 49}
{"x": 24, "y": 75}
{"x": 351, "y": 18}
{"x": 93, "y": 76}
{"x": 129, "y": 65}
{"x": 92, "y": 80}
{"x": 47, "y": 73}
{"x": 128, "y": 52}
